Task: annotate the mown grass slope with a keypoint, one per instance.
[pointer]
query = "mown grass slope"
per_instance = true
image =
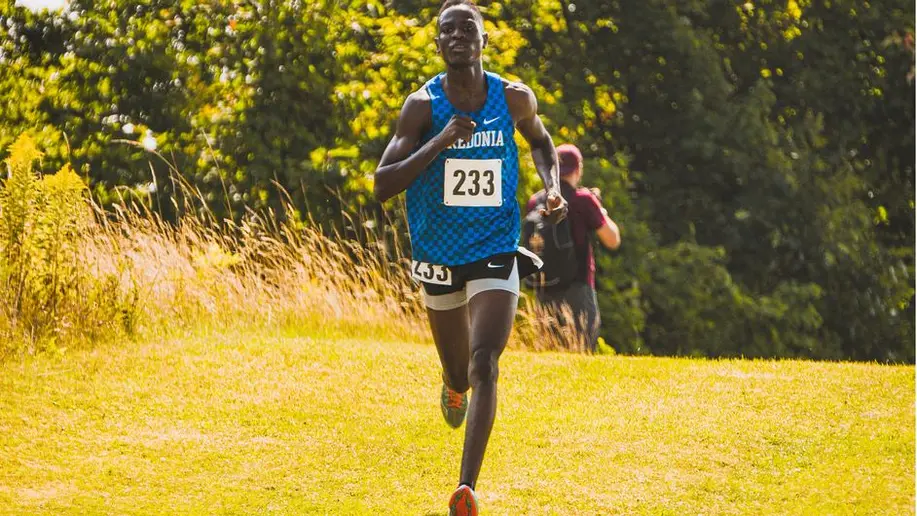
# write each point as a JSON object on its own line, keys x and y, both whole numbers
{"x": 259, "y": 423}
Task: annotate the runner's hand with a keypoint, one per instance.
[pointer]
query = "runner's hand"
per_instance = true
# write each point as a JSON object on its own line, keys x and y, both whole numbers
{"x": 458, "y": 128}
{"x": 555, "y": 209}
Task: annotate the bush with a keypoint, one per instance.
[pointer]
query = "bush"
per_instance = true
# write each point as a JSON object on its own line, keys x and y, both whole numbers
{"x": 43, "y": 221}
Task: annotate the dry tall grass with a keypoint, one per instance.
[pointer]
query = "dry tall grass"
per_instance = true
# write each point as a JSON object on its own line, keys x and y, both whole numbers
{"x": 159, "y": 277}
{"x": 136, "y": 274}
{"x": 259, "y": 271}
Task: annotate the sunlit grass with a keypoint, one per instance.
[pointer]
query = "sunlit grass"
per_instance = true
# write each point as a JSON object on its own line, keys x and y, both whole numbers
{"x": 290, "y": 423}
{"x": 264, "y": 366}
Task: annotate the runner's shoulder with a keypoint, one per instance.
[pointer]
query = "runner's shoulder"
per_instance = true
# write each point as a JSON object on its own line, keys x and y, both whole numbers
{"x": 418, "y": 99}
{"x": 520, "y": 99}
{"x": 516, "y": 87}
{"x": 418, "y": 108}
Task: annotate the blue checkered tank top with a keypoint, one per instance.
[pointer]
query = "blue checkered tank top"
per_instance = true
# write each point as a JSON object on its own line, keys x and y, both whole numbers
{"x": 462, "y": 207}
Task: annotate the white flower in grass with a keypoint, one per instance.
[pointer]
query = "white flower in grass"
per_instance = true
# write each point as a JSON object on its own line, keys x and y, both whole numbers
{"x": 149, "y": 141}
{"x": 128, "y": 128}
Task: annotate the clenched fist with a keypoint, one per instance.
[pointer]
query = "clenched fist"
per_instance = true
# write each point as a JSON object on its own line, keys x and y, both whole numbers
{"x": 458, "y": 128}
{"x": 555, "y": 209}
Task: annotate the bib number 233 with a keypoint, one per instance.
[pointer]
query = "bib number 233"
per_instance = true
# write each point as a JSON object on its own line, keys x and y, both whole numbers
{"x": 430, "y": 273}
{"x": 473, "y": 182}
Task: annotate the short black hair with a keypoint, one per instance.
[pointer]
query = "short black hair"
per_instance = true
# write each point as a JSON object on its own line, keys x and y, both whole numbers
{"x": 452, "y": 3}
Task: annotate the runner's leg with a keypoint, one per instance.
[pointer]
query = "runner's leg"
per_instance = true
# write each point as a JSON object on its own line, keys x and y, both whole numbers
{"x": 492, "y": 313}
{"x": 450, "y": 333}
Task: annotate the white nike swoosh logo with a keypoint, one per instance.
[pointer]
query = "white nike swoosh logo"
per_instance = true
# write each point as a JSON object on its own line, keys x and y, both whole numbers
{"x": 492, "y": 266}
{"x": 487, "y": 122}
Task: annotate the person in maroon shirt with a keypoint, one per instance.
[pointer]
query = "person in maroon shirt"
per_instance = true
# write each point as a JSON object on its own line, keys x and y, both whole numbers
{"x": 587, "y": 216}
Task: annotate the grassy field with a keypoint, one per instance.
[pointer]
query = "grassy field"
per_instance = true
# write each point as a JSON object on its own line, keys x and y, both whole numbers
{"x": 262, "y": 423}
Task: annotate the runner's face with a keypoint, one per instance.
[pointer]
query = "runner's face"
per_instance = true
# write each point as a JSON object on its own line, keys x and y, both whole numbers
{"x": 461, "y": 38}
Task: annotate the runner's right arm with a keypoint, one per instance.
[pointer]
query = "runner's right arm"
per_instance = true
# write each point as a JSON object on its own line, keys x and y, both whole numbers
{"x": 398, "y": 166}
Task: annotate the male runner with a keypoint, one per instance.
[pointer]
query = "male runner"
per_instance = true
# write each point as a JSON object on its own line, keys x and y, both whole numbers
{"x": 454, "y": 153}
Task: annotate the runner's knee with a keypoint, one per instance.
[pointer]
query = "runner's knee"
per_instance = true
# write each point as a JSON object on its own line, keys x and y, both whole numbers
{"x": 483, "y": 367}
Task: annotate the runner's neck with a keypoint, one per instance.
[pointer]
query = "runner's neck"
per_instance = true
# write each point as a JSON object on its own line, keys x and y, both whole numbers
{"x": 465, "y": 84}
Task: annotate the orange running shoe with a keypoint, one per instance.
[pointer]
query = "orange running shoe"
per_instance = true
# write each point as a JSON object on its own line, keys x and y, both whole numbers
{"x": 463, "y": 502}
{"x": 454, "y": 405}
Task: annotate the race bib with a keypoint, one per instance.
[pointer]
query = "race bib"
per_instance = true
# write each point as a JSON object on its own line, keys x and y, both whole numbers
{"x": 473, "y": 182}
{"x": 429, "y": 273}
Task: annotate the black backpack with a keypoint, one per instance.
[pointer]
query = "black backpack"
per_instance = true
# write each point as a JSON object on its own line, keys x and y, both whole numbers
{"x": 553, "y": 243}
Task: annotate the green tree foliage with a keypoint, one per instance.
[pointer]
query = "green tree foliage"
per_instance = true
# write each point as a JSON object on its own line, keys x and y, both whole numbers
{"x": 758, "y": 156}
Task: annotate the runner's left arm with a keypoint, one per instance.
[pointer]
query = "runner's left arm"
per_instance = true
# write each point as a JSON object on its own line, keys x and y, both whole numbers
{"x": 524, "y": 107}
